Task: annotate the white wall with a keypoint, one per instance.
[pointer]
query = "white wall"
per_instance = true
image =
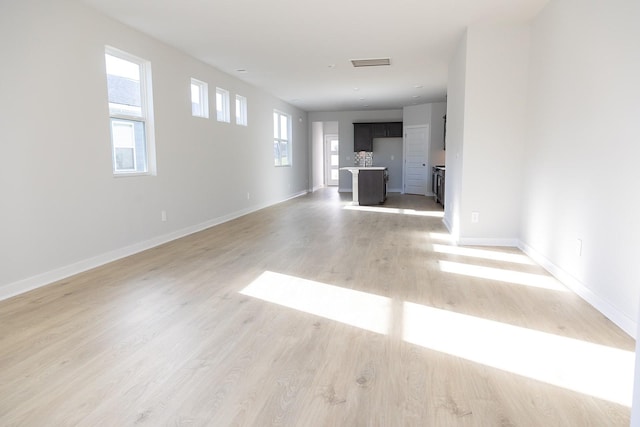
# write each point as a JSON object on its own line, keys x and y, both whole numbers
{"x": 456, "y": 90}
{"x": 494, "y": 129}
{"x": 345, "y": 120}
{"x": 581, "y": 159}
{"x": 317, "y": 155}
{"x": 62, "y": 209}
{"x": 388, "y": 152}
{"x": 436, "y": 126}
{"x": 545, "y": 117}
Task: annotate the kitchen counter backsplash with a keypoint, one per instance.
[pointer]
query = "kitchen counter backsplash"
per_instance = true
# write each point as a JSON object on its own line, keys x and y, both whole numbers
{"x": 363, "y": 159}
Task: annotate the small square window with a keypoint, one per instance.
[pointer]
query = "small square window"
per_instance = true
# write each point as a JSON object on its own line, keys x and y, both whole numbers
{"x": 241, "y": 110}
{"x": 199, "y": 98}
{"x": 222, "y": 105}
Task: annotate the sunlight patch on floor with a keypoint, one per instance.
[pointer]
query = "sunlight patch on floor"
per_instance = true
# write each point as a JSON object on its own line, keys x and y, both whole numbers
{"x": 443, "y": 237}
{"x": 355, "y": 308}
{"x": 483, "y": 253}
{"x": 502, "y": 275}
{"x": 379, "y": 209}
{"x": 585, "y": 367}
{"x": 593, "y": 369}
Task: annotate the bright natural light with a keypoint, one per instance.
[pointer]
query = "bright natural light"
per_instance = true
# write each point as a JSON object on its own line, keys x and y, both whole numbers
{"x": 593, "y": 369}
{"x": 355, "y": 308}
{"x": 483, "y": 253}
{"x": 442, "y": 237}
{"x": 435, "y": 214}
{"x": 501, "y": 275}
{"x": 122, "y": 68}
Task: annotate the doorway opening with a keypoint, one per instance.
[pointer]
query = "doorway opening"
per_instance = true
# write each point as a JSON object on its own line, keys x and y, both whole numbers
{"x": 325, "y": 155}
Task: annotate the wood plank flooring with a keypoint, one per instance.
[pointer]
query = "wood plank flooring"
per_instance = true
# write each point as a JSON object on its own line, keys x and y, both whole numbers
{"x": 177, "y": 336}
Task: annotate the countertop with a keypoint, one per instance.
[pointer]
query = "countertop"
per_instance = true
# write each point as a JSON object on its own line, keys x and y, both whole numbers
{"x": 371, "y": 168}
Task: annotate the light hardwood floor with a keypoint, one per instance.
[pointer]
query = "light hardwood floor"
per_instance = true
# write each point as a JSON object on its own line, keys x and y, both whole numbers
{"x": 308, "y": 314}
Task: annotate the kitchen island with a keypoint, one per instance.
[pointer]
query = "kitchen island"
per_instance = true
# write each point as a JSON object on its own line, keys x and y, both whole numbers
{"x": 369, "y": 184}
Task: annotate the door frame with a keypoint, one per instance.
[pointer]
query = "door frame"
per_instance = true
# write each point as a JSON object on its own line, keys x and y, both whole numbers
{"x": 426, "y": 127}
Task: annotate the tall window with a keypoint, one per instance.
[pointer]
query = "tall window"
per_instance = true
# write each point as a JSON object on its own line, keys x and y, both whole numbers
{"x": 281, "y": 139}
{"x": 129, "y": 94}
{"x": 222, "y": 105}
{"x": 199, "y": 98}
{"x": 241, "y": 110}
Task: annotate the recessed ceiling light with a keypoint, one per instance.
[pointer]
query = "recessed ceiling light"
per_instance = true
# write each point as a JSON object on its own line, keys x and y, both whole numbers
{"x": 416, "y": 96}
{"x": 356, "y": 89}
{"x": 418, "y": 86}
{"x": 377, "y": 62}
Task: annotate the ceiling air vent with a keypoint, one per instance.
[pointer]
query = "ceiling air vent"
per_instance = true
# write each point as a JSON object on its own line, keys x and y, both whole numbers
{"x": 371, "y": 62}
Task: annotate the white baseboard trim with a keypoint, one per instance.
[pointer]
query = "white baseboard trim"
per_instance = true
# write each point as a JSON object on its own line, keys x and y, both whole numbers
{"x": 43, "y": 279}
{"x": 616, "y": 316}
{"x": 447, "y": 224}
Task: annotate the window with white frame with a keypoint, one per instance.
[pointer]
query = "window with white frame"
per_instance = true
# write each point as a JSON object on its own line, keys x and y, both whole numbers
{"x": 199, "y": 99}
{"x": 241, "y": 110}
{"x": 281, "y": 139}
{"x": 130, "y": 112}
{"x": 222, "y": 105}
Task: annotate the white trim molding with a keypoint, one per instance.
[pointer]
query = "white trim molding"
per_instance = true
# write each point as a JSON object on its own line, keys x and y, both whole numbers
{"x": 49, "y": 277}
{"x": 616, "y": 316}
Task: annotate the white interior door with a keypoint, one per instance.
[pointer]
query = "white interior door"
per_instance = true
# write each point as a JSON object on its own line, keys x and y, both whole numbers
{"x": 331, "y": 160}
{"x": 416, "y": 159}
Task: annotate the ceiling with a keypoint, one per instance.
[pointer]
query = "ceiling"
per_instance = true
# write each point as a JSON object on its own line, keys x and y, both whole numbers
{"x": 300, "y": 50}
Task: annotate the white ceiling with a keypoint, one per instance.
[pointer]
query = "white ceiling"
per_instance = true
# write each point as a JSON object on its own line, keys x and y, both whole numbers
{"x": 300, "y": 50}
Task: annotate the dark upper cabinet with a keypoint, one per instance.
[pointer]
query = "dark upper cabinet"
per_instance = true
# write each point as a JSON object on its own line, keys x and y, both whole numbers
{"x": 394, "y": 130}
{"x": 362, "y": 139}
{"x": 363, "y": 134}
{"x": 379, "y": 130}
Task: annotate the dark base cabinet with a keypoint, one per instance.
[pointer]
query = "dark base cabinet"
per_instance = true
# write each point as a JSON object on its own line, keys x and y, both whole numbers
{"x": 372, "y": 187}
{"x": 437, "y": 184}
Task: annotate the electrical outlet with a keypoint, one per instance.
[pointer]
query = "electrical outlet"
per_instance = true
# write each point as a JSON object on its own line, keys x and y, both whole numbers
{"x": 475, "y": 217}
{"x": 579, "y": 247}
{"x": 163, "y": 216}
{"x": 248, "y": 196}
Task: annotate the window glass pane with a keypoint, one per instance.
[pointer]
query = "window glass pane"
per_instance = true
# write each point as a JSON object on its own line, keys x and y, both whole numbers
{"x": 128, "y": 141}
{"x": 218, "y": 102}
{"x": 276, "y": 152}
{"x": 334, "y": 174}
{"x": 125, "y": 160}
{"x": 335, "y": 160}
{"x": 222, "y": 105}
{"x": 284, "y": 128}
{"x": 276, "y": 131}
{"x": 123, "y": 84}
{"x": 334, "y": 145}
{"x": 195, "y": 94}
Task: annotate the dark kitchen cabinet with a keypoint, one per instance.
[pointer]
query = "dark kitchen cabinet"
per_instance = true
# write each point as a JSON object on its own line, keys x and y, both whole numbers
{"x": 394, "y": 130}
{"x": 363, "y": 133}
{"x": 437, "y": 184}
{"x": 362, "y": 139}
{"x": 372, "y": 186}
{"x": 386, "y": 130}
